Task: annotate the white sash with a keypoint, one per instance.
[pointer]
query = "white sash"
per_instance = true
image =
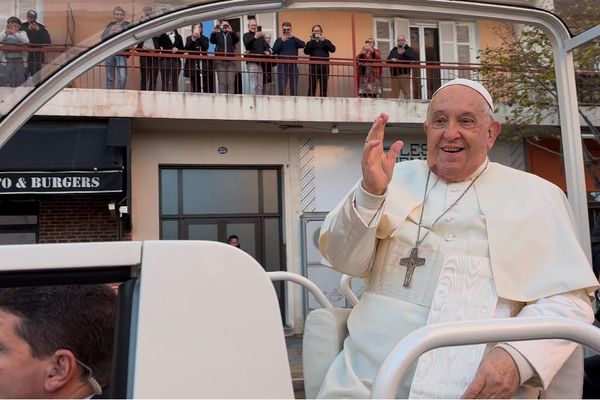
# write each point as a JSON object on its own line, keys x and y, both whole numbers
{"x": 465, "y": 291}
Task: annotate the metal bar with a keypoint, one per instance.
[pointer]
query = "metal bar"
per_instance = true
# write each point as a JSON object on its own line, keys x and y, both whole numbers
{"x": 35, "y": 99}
{"x": 302, "y": 281}
{"x": 583, "y": 38}
{"x": 572, "y": 143}
{"x": 390, "y": 374}
{"x": 347, "y": 289}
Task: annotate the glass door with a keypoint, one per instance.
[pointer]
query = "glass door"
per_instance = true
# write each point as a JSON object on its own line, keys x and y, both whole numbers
{"x": 425, "y": 40}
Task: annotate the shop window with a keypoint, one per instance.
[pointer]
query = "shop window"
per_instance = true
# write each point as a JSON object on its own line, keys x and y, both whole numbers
{"x": 18, "y": 222}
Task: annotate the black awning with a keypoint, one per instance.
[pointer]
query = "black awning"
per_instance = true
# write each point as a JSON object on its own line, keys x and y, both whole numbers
{"x": 61, "y": 146}
{"x": 65, "y": 157}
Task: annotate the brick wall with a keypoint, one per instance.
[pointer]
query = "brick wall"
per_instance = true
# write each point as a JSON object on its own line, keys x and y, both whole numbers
{"x": 77, "y": 218}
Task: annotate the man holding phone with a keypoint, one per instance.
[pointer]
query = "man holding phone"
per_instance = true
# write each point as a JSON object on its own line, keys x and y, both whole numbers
{"x": 286, "y": 46}
{"x": 225, "y": 40}
{"x": 256, "y": 46}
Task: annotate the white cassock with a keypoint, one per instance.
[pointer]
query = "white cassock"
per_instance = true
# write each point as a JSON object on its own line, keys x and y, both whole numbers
{"x": 506, "y": 249}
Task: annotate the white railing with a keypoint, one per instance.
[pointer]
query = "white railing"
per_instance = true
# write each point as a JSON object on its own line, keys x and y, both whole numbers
{"x": 390, "y": 374}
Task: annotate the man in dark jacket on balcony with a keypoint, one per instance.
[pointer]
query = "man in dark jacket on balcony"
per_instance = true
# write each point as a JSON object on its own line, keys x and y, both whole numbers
{"x": 225, "y": 40}
{"x": 37, "y": 34}
{"x": 256, "y": 46}
{"x": 402, "y": 53}
{"x": 195, "y": 43}
{"x": 115, "y": 63}
{"x": 286, "y": 46}
{"x": 318, "y": 48}
{"x": 170, "y": 67}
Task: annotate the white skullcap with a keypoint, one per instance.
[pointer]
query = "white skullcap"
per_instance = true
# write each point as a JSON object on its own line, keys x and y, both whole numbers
{"x": 476, "y": 86}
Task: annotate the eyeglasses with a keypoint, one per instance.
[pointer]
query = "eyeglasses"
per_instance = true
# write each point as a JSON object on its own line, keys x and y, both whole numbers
{"x": 90, "y": 378}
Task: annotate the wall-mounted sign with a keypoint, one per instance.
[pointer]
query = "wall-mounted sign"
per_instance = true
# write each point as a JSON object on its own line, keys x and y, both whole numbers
{"x": 411, "y": 151}
{"x": 61, "y": 182}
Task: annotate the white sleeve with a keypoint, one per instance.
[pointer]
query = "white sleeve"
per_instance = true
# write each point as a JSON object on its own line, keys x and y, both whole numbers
{"x": 547, "y": 356}
{"x": 368, "y": 206}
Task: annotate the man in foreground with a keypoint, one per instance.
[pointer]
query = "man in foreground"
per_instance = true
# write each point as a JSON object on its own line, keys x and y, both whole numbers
{"x": 456, "y": 238}
{"x": 56, "y": 342}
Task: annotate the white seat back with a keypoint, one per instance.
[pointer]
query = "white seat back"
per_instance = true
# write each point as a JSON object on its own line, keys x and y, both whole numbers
{"x": 209, "y": 325}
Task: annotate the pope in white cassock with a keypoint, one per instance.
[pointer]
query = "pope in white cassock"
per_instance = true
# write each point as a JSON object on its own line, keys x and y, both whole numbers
{"x": 456, "y": 238}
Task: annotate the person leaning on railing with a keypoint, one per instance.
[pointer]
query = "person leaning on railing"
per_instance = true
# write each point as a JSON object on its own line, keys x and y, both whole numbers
{"x": 13, "y": 61}
{"x": 196, "y": 43}
{"x": 369, "y": 75}
{"x": 37, "y": 34}
{"x": 149, "y": 66}
{"x": 318, "y": 48}
{"x": 170, "y": 67}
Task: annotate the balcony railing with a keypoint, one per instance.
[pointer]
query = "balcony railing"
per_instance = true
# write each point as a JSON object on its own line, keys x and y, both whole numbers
{"x": 188, "y": 71}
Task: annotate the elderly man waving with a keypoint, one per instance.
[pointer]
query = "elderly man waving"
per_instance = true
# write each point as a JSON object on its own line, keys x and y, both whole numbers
{"x": 455, "y": 238}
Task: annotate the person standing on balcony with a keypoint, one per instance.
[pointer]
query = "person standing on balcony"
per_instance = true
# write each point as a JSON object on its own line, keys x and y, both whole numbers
{"x": 456, "y": 238}
{"x": 116, "y": 64}
{"x": 37, "y": 34}
{"x": 256, "y": 46}
{"x": 286, "y": 46}
{"x": 196, "y": 43}
{"x": 14, "y": 60}
{"x": 170, "y": 67}
{"x": 402, "y": 53}
{"x": 149, "y": 66}
{"x": 318, "y": 48}
{"x": 225, "y": 39}
{"x": 369, "y": 75}
{"x": 268, "y": 82}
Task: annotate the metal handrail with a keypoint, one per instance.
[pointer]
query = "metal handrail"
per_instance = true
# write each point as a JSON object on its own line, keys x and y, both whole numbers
{"x": 347, "y": 290}
{"x": 302, "y": 281}
{"x": 392, "y": 370}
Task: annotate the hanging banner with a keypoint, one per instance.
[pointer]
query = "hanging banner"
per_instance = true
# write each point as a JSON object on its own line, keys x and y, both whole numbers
{"x": 61, "y": 182}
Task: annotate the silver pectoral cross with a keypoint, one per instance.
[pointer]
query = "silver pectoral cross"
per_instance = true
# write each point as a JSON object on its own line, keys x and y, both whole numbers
{"x": 411, "y": 262}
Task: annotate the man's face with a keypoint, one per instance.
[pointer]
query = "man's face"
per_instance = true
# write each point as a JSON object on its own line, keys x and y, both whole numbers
{"x": 287, "y": 29}
{"x": 401, "y": 41}
{"x": 459, "y": 132}
{"x": 30, "y": 19}
{"x": 252, "y": 25}
{"x": 21, "y": 375}
{"x": 119, "y": 15}
{"x": 234, "y": 242}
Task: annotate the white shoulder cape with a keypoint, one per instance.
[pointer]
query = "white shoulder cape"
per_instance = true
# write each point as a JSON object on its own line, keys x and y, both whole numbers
{"x": 534, "y": 251}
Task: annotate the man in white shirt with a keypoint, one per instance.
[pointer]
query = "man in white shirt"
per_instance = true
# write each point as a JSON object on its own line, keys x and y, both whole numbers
{"x": 455, "y": 238}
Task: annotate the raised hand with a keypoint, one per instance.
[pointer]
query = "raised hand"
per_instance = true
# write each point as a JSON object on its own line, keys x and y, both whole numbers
{"x": 378, "y": 167}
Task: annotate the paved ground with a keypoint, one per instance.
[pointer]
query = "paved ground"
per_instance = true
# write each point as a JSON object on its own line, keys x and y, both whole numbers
{"x": 294, "y": 348}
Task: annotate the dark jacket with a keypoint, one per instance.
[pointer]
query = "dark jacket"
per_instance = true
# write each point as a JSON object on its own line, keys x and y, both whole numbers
{"x": 166, "y": 44}
{"x": 108, "y": 31}
{"x": 255, "y": 47}
{"x": 225, "y": 43}
{"x": 408, "y": 55}
{"x": 201, "y": 44}
{"x": 289, "y": 47}
{"x": 40, "y": 36}
{"x": 320, "y": 48}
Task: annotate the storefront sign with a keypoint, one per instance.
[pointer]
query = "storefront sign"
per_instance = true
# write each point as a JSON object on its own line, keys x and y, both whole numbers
{"x": 61, "y": 182}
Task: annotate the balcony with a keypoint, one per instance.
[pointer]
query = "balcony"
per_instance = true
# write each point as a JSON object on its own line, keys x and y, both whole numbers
{"x": 186, "y": 86}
